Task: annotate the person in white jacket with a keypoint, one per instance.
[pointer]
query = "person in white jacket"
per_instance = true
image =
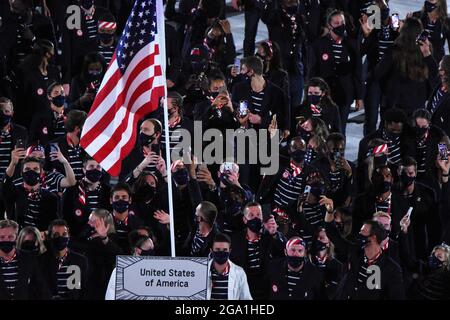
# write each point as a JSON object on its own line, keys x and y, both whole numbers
{"x": 227, "y": 281}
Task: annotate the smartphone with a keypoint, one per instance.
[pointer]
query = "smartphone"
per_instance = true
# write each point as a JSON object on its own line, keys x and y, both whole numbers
{"x": 395, "y": 21}
{"x": 243, "y": 108}
{"x": 422, "y": 37}
{"x": 409, "y": 212}
{"x": 53, "y": 147}
{"x": 443, "y": 151}
{"x": 155, "y": 148}
{"x": 20, "y": 144}
{"x": 306, "y": 192}
{"x": 237, "y": 64}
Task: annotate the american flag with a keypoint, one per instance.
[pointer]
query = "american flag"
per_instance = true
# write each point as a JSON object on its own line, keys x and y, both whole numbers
{"x": 130, "y": 89}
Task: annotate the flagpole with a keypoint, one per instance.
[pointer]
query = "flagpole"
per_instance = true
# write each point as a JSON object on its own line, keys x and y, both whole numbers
{"x": 162, "y": 47}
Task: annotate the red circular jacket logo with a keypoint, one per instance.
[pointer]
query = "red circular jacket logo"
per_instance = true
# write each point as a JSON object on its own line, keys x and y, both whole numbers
{"x": 78, "y": 213}
{"x": 274, "y": 288}
{"x": 286, "y": 174}
{"x": 40, "y": 91}
{"x": 44, "y": 130}
{"x": 325, "y": 57}
{"x": 79, "y": 33}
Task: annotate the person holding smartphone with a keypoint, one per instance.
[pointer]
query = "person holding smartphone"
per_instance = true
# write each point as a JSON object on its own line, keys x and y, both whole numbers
{"x": 374, "y": 44}
{"x": 12, "y": 136}
{"x": 146, "y": 155}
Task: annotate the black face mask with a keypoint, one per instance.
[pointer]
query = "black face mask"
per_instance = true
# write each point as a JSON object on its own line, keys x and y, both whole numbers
{"x": 320, "y": 246}
{"x": 340, "y": 31}
{"x": 297, "y": 155}
{"x": 407, "y": 180}
{"x": 313, "y": 99}
{"x": 295, "y": 262}
{"x": 94, "y": 75}
{"x": 59, "y": 101}
{"x": 60, "y": 243}
{"x": 363, "y": 241}
{"x": 120, "y": 206}
{"x": 220, "y": 257}
{"x": 291, "y": 10}
{"x": 255, "y": 225}
{"x": 145, "y": 253}
{"x": 29, "y": 245}
{"x": 94, "y": 175}
{"x": 434, "y": 263}
{"x": 198, "y": 66}
{"x": 383, "y": 187}
{"x": 420, "y": 132}
{"x": 380, "y": 161}
{"x": 392, "y": 136}
{"x": 429, "y": 6}
{"x": 317, "y": 190}
{"x": 146, "y": 192}
{"x": 212, "y": 42}
{"x": 31, "y": 177}
{"x": 105, "y": 37}
{"x": 305, "y": 135}
{"x": 181, "y": 177}
{"x": 7, "y": 246}
{"x": 5, "y": 119}
{"x": 145, "y": 140}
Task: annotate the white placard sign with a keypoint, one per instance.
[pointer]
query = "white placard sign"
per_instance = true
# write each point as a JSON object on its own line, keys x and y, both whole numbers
{"x": 161, "y": 278}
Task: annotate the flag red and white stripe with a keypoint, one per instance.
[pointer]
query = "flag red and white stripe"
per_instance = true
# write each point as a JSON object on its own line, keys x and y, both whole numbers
{"x": 131, "y": 88}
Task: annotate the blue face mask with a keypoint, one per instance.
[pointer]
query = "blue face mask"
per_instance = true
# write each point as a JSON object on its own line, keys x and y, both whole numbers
{"x": 298, "y": 155}
{"x": 317, "y": 190}
{"x": 255, "y": 225}
{"x": 429, "y": 6}
{"x": 5, "y": 119}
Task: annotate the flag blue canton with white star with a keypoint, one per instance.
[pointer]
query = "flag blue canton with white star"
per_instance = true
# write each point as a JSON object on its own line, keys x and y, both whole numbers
{"x": 139, "y": 31}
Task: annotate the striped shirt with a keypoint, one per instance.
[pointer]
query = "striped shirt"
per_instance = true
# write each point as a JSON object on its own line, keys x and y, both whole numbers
{"x": 394, "y": 155}
{"x": 257, "y": 100}
{"x": 61, "y": 276}
{"x": 175, "y": 137}
{"x": 365, "y": 6}
{"x": 91, "y": 26}
{"x": 436, "y": 99}
{"x": 92, "y": 198}
{"x": 293, "y": 279}
{"x": 5, "y": 151}
{"x": 254, "y": 258}
{"x": 219, "y": 281}
{"x": 421, "y": 147}
{"x": 58, "y": 126}
{"x": 107, "y": 52}
{"x": 75, "y": 160}
{"x": 197, "y": 244}
{"x": 337, "y": 52}
{"x": 10, "y": 274}
{"x": 314, "y": 214}
{"x": 430, "y": 27}
{"x": 336, "y": 180}
{"x": 384, "y": 41}
{"x": 52, "y": 182}
{"x": 32, "y": 215}
{"x": 288, "y": 188}
{"x": 362, "y": 273}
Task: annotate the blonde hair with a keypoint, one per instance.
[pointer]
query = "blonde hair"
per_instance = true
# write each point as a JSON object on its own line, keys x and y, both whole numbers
{"x": 107, "y": 217}
{"x": 382, "y": 214}
{"x": 9, "y": 224}
{"x": 37, "y": 236}
{"x": 446, "y": 248}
